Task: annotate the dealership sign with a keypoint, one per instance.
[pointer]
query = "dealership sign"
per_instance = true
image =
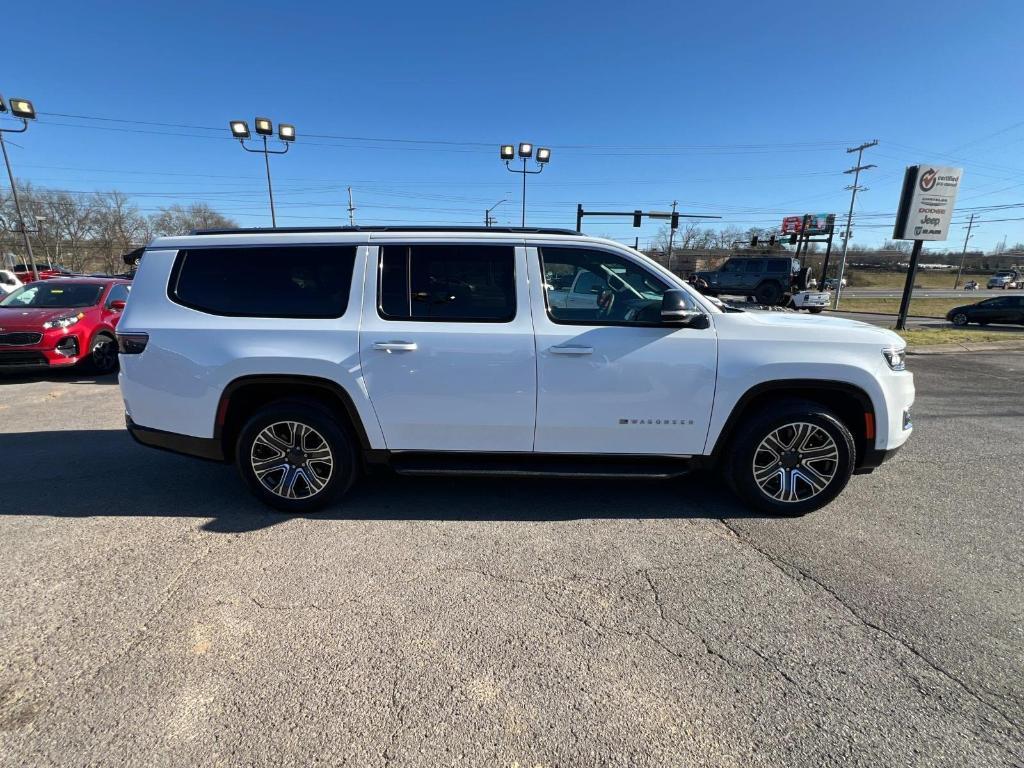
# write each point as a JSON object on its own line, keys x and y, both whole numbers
{"x": 926, "y": 204}
{"x": 809, "y": 224}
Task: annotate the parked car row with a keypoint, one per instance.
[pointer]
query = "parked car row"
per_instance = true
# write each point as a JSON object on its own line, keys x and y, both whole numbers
{"x": 62, "y": 322}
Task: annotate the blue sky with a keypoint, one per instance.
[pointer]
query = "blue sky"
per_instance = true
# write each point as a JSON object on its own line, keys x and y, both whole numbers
{"x": 742, "y": 109}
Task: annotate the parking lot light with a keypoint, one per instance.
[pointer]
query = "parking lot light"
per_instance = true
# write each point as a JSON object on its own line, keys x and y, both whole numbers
{"x": 525, "y": 152}
{"x": 23, "y": 108}
{"x": 264, "y": 127}
{"x": 24, "y": 111}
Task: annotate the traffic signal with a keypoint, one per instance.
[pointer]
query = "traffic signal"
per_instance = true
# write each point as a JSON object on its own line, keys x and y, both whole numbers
{"x": 637, "y": 216}
{"x": 675, "y": 220}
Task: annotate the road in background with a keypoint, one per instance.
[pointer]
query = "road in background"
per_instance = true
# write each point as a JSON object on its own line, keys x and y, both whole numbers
{"x": 153, "y": 613}
{"x": 925, "y": 293}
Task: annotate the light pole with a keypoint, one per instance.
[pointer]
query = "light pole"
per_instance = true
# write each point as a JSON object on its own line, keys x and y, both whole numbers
{"x": 488, "y": 219}
{"x": 525, "y": 152}
{"x": 24, "y": 111}
{"x": 265, "y": 128}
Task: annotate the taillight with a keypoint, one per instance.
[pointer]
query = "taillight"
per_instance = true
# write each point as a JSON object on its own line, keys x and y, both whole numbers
{"x": 132, "y": 343}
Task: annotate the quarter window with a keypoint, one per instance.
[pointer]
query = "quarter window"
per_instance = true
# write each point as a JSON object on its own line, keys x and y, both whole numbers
{"x": 780, "y": 266}
{"x": 456, "y": 283}
{"x": 590, "y": 287}
{"x": 302, "y": 281}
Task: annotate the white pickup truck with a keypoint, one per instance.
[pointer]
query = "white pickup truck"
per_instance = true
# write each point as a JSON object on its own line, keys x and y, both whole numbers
{"x": 498, "y": 351}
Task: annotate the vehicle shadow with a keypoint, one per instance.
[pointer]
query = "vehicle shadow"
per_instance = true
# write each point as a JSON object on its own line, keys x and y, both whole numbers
{"x": 64, "y": 376}
{"x": 104, "y": 473}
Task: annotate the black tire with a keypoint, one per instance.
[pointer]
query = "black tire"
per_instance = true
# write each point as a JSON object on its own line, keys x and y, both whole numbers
{"x": 832, "y": 474}
{"x": 102, "y": 357}
{"x": 816, "y": 310}
{"x": 960, "y": 318}
{"x": 313, "y": 483}
{"x": 768, "y": 292}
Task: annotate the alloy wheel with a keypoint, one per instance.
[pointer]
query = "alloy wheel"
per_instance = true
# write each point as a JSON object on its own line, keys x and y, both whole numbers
{"x": 795, "y": 462}
{"x": 291, "y": 460}
{"x": 104, "y": 355}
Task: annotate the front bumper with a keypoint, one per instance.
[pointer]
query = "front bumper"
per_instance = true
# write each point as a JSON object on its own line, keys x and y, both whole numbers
{"x": 56, "y": 349}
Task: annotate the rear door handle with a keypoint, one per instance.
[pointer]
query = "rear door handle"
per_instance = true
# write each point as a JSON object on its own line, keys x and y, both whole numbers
{"x": 395, "y": 346}
{"x": 568, "y": 350}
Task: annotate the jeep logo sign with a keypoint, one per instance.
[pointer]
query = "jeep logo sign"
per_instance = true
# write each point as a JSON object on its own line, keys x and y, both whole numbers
{"x": 926, "y": 205}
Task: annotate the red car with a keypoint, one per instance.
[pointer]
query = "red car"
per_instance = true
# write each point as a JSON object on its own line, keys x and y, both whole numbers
{"x": 60, "y": 322}
{"x": 24, "y": 272}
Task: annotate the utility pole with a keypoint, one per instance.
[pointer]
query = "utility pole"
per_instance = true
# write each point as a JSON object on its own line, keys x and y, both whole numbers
{"x": 671, "y": 234}
{"x": 17, "y": 203}
{"x": 854, "y": 188}
{"x": 963, "y": 255}
{"x": 351, "y": 209}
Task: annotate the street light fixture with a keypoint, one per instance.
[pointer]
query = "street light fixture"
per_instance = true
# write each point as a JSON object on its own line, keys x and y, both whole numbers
{"x": 488, "y": 219}
{"x": 24, "y": 111}
{"x": 265, "y": 127}
{"x": 23, "y": 108}
{"x": 525, "y": 152}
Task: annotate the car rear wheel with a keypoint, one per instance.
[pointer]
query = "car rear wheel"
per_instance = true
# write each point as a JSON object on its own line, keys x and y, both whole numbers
{"x": 295, "y": 457}
{"x": 791, "y": 459}
{"x": 960, "y": 318}
{"x": 768, "y": 293}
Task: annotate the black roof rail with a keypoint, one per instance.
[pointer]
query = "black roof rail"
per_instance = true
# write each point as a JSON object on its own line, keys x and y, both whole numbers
{"x": 403, "y": 228}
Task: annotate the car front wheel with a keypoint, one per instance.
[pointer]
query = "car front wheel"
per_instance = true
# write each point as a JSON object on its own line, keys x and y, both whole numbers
{"x": 960, "y": 318}
{"x": 102, "y": 357}
{"x": 791, "y": 459}
{"x": 295, "y": 457}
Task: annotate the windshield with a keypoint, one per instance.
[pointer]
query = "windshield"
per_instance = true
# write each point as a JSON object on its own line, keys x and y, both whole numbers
{"x": 54, "y": 296}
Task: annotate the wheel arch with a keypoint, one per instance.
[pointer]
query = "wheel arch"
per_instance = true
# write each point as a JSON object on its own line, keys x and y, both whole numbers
{"x": 242, "y": 396}
{"x": 851, "y": 404}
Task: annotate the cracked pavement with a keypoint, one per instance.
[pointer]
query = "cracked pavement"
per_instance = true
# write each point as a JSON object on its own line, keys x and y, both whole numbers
{"x": 152, "y": 614}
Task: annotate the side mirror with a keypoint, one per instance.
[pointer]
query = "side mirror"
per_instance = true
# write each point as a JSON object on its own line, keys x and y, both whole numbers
{"x": 675, "y": 310}
{"x": 118, "y": 305}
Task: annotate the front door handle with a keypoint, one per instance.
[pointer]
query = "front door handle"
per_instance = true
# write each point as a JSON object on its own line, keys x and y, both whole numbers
{"x": 395, "y": 346}
{"x": 569, "y": 350}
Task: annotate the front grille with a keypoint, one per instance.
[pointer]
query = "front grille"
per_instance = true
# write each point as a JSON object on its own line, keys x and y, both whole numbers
{"x": 22, "y": 358}
{"x": 20, "y": 339}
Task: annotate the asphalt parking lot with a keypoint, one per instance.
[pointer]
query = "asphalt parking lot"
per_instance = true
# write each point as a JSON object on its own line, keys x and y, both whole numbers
{"x": 153, "y": 615}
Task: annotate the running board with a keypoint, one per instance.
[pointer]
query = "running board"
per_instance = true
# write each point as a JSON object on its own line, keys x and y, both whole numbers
{"x": 538, "y": 465}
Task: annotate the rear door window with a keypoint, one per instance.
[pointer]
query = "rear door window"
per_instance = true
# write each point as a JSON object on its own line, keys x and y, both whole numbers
{"x": 454, "y": 283}
{"x": 300, "y": 281}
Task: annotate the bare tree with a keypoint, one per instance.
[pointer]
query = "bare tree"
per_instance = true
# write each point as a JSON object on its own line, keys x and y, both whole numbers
{"x": 178, "y": 220}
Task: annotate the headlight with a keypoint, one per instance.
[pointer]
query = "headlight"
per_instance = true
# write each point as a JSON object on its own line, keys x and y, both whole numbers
{"x": 63, "y": 322}
{"x": 896, "y": 358}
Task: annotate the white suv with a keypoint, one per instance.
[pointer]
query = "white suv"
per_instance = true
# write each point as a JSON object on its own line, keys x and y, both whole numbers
{"x": 456, "y": 350}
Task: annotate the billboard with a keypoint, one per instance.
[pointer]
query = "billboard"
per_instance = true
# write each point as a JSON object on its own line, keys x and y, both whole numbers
{"x": 819, "y": 223}
{"x": 792, "y": 225}
{"x": 926, "y": 204}
{"x": 809, "y": 224}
